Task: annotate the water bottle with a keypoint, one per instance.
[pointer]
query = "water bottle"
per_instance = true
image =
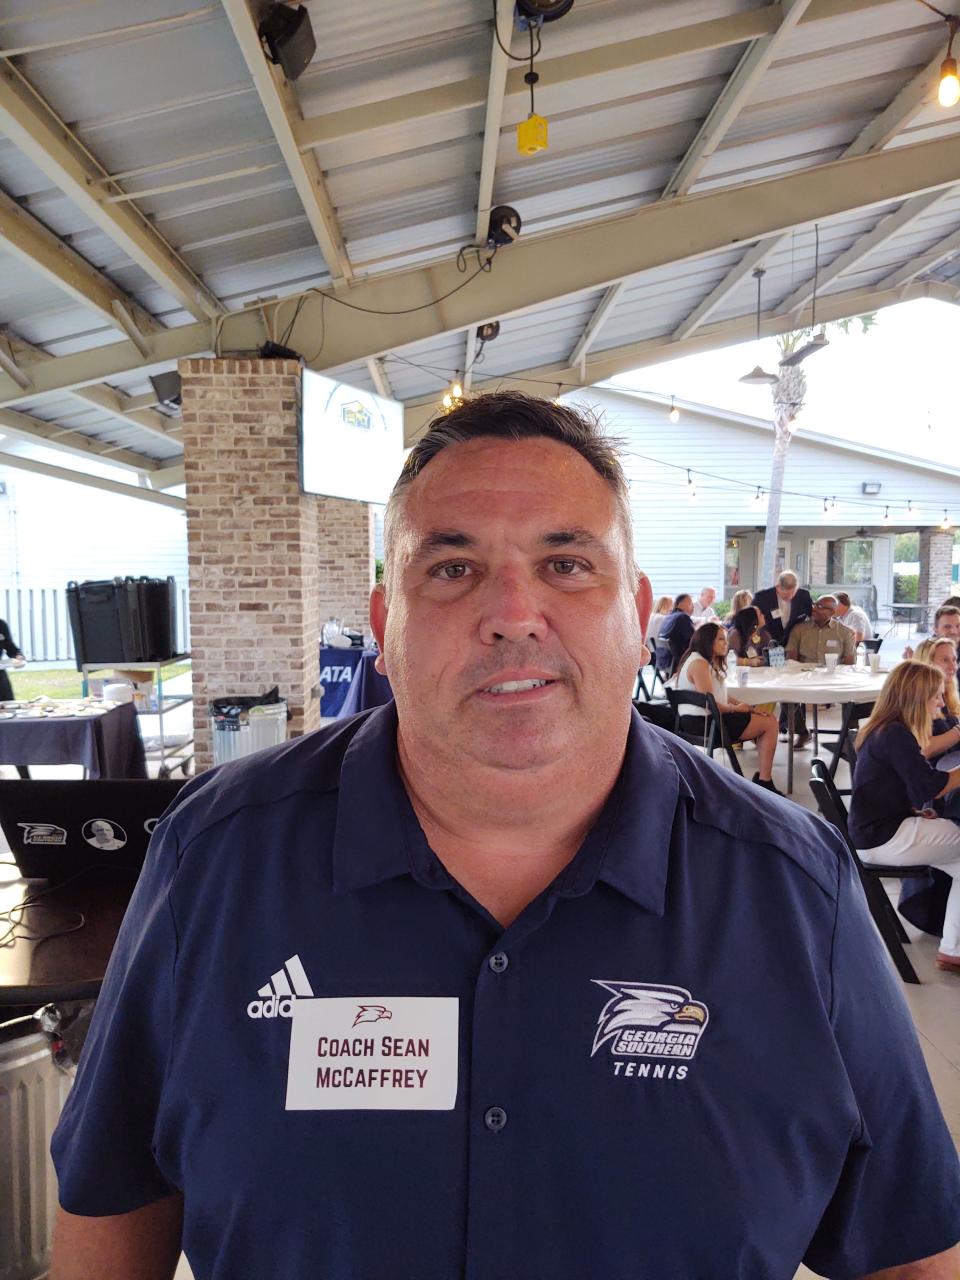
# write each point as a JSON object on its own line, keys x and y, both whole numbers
{"x": 861, "y": 656}
{"x": 731, "y": 663}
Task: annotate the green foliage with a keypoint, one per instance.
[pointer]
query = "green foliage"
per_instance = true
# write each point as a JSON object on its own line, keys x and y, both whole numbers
{"x": 906, "y": 588}
{"x": 61, "y": 682}
{"x": 906, "y": 547}
{"x": 378, "y": 577}
{"x": 721, "y": 608}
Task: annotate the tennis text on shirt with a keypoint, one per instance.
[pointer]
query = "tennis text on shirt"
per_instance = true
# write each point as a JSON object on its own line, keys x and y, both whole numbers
{"x": 373, "y": 1053}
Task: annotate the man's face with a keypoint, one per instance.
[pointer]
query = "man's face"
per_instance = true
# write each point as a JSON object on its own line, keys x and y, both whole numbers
{"x": 509, "y": 566}
{"x": 707, "y": 596}
{"x": 949, "y": 625}
{"x": 102, "y": 832}
{"x": 685, "y": 605}
{"x": 787, "y": 593}
{"x": 823, "y": 611}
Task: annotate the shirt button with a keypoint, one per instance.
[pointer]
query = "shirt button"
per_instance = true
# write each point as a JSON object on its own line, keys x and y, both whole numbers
{"x": 498, "y": 961}
{"x": 495, "y": 1118}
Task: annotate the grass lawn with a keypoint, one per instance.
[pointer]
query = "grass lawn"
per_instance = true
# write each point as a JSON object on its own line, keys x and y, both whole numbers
{"x": 62, "y": 682}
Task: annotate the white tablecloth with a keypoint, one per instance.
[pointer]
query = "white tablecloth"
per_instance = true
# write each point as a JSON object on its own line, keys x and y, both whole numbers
{"x": 801, "y": 683}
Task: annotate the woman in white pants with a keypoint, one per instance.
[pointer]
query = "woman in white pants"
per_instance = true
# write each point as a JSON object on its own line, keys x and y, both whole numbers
{"x": 896, "y": 805}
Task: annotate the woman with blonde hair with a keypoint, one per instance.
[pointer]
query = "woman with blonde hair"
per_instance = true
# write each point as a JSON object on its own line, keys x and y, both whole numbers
{"x": 741, "y": 600}
{"x": 660, "y": 610}
{"x": 941, "y": 652}
{"x": 895, "y": 808}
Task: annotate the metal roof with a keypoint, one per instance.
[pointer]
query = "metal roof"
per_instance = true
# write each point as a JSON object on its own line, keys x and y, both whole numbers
{"x": 162, "y": 185}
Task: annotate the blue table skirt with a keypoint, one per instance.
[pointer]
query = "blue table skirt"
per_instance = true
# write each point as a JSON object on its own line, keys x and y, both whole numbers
{"x": 367, "y": 689}
{"x": 108, "y": 746}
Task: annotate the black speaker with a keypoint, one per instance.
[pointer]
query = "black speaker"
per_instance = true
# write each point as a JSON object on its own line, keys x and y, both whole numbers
{"x": 289, "y": 38}
{"x": 547, "y": 10}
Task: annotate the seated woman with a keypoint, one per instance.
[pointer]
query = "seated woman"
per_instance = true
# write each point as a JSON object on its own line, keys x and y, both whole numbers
{"x": 748, "y": 637}
{"x": 660, "y": 610}
{"x": 703, "y": 669}
{"x": 894, "y": 817}
{"x": 941, "y": 651}
{"x": 740, "y": 600}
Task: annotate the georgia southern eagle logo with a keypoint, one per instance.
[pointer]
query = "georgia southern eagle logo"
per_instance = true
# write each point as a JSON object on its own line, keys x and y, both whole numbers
{"x": 646, "y": 1020}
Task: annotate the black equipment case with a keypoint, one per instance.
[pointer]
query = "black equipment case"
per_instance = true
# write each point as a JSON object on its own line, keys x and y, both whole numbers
{"x": 123, "y": 620}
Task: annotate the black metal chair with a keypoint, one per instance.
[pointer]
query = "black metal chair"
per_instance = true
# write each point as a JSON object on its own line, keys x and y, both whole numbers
{"x": 714, "y": 735}
{"x": 844, "y": 738}
{"x": 873, "y": 646}
{"x": 831, "y": 806}
{"x": 640, "y": 688}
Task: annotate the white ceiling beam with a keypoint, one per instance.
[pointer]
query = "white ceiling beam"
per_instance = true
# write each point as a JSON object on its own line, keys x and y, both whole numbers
{"x": 91, "y": 482}
{"x": 872, "y": 138}
{"x": 736, "y": 93}
{"x": 923, "y": 262}
{"x": 607, "y": 364}
{"x": 695, "y": 37}
{"x": 280, "y": 103}
{"x": 38, "y": 132}
{"x": 596, "y": 322}
{"x": 117, "y": 405}
{"x": 28, "y": 240}
{"x": 496, "y": 87}
{"x": 861, "y": 249}
{"x": 8, "y": 363}
{"x": 543, "y": 269}
{"x": 378, "y": 376}
{"x": 35, "y": 430}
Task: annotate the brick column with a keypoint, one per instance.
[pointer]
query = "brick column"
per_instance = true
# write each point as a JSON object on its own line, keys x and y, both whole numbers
{"x": 251, "y": 540}
{"x": 347, "y": 563}
{"x": 936, "y": 568}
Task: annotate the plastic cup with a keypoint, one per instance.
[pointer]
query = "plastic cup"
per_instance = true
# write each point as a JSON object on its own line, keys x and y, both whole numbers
{"x": 874, "y": 663}
{"x": 831, "y": 661}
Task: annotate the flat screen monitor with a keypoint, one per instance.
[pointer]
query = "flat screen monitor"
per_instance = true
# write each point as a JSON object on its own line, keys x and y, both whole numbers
{"x": 351, "y": 441}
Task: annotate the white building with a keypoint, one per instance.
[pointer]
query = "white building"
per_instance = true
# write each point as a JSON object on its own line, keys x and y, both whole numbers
{"x": 837, "y": 494}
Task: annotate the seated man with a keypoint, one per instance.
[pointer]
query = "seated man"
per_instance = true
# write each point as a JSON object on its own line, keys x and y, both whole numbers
{"x": 854, "y": 617}
{"x": 677, "y": 629}
{"x": 946, "y": 622}
{"x": 703, "y": 610}
{"x": 811, "y": 641}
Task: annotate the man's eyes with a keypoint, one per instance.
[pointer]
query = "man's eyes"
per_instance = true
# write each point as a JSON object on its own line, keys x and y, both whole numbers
{"x": 562, "y": 566}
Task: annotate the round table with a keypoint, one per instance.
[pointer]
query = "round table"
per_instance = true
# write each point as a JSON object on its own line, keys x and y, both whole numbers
{"x": 797, "y": 682}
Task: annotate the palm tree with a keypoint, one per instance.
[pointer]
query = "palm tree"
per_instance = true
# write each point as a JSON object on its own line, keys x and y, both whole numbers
{"x": 788, "y": 395}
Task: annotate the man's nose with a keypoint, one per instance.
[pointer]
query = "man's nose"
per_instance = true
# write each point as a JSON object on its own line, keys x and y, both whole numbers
{"x": 512, "y": 608}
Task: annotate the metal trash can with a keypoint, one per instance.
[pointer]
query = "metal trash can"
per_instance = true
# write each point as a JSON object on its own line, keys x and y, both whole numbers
{"x": 242, "y": 725}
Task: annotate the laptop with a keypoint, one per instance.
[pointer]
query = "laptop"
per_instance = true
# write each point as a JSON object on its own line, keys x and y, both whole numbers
{"x": 56, "y": 829}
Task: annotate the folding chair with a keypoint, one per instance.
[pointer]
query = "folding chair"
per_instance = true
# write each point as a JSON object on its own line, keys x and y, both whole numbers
{"x": 831, "y": 806}
{"x": 641, "y": 686}
{"x": 714, "y": 736}
{"x": 873, "y": 646}
{"x": 844, "y": 738}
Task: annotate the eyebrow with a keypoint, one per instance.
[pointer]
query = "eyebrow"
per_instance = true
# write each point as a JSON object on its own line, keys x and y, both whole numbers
{"x": 443, "y": 539}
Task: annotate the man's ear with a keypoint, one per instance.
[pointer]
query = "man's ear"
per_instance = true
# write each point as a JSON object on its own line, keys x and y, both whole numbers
{"x": 644, "y": 598}
{"x": 378, "y": 621}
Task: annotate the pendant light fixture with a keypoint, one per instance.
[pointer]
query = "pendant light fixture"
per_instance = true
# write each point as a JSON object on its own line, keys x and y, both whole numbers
{"x": 948, "y": 92}
{"x": 757, "y": 377}
{"x": 819, "y": 340}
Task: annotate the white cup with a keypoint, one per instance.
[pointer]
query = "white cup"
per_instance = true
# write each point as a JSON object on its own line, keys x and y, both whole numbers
{"x": 874, "y": 663}
{"x": 831, "y": 661}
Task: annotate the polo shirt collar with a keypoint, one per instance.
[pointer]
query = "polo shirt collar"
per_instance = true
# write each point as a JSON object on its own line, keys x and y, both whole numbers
{"x": 378, "y": 838}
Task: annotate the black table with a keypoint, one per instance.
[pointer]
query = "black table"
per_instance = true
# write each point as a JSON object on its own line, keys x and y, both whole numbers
{"x": 70, "y": 966}
{"x": 108, "y": 745}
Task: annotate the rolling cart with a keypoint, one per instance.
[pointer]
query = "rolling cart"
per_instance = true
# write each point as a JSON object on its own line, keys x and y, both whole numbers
{"x": 168, "y": 750}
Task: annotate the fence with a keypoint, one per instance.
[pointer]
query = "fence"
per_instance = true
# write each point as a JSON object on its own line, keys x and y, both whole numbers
{"x": 40, "y": 623}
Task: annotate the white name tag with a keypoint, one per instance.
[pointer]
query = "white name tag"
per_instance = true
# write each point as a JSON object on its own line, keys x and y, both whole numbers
{"x": 373, "y": 1053}
{"x": 776, "y": 614}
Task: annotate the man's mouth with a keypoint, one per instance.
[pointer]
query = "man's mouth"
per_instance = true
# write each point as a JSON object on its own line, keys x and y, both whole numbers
{"x": 515, "y": 686}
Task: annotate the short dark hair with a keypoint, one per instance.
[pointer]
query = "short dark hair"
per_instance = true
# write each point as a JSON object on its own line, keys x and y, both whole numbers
{"x": 684, "y": 595}
{"x": 842, "y": 598}
{"x": 945, "y": 611}
{"x": 514, "y": 416}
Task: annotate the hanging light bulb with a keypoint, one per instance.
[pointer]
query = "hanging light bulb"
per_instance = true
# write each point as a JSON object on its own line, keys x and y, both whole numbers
{"x": 832, "y": 505}
{"x": 447, "y": 401}
{"x": 674, "y": 414}
{"x": 556, "y": 398}
{"x": 909, "y": 506}
{"x": 759, "y": 499}
{"x": 457, "y": 391}
{"x": 945, "y": 523}
{"x": 948, "y": 93}
{"x": 886, "y": 515}
{"x": 826, "y": 506}
{"x": 691, "y": 487}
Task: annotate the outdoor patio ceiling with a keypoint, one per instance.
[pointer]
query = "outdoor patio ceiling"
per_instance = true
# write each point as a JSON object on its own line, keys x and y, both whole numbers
{"x": 164, "y": 192}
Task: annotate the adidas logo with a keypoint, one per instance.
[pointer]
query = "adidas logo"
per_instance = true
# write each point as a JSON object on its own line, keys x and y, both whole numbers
{"x": 278, "y": 994}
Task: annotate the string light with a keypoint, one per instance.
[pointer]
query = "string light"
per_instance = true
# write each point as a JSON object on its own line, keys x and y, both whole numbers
{"x": 910, "y": 507}
{"x": 945, "y": 523}
{"x": 453, "y": 398}
{"x": 948, "y": 93}
{"x": 556, "y": 398}
{"x": 674, "y": 414}
{"x": 691, "y": 487}
{"x": 759, "y": 500}
{"x": 886, "y": 515}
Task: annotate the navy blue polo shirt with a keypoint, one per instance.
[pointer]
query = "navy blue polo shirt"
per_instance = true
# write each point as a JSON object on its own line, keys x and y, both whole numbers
{"x": 892, "y": 779}
{"x": 688, "y": 1057}
{"x": 676, "y": 632}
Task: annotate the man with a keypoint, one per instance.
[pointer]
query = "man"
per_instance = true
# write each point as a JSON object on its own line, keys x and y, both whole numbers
{"x": 811, "y": 641}
{"x": 783, "y": 605}
{"x": 677, "y": 629}
{"x": 946, "y": 622}
{"x": 703, "y": 610}
{"x": 101, "y": 835}
{"x": 537, "y": 986}
{"x": 854, "y": 617}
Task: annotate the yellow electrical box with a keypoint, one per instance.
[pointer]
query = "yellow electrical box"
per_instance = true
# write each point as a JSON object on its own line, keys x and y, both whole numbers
{"x": 532, "y": 135}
